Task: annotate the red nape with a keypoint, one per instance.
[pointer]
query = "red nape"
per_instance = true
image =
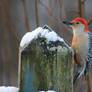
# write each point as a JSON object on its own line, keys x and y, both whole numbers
{"x": 82, "y": 21}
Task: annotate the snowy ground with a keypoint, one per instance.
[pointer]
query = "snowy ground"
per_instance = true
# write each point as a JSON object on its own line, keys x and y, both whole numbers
{"x": 8, "y": 89}
{"x": 15, "y": 89}
{"x": 48, "y": 91}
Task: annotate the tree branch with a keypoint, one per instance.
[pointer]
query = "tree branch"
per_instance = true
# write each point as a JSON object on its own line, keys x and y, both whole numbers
{"x": 90, "y": 21}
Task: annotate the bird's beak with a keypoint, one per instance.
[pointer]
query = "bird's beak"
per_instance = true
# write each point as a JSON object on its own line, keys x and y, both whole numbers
{"x": 68, "y": 23}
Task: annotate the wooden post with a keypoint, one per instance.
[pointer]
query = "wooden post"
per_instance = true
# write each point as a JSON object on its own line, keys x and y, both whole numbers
{"x": 45, "y": 65}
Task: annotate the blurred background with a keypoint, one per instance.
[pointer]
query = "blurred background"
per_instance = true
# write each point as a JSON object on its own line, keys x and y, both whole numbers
{"x": 20, "y": 16}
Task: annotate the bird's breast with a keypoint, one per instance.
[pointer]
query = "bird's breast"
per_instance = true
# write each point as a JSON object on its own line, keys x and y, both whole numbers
{"x": 80, "y": 45}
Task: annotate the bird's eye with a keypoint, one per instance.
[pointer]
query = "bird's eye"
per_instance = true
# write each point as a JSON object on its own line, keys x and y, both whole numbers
{"x": 77, "y": 23}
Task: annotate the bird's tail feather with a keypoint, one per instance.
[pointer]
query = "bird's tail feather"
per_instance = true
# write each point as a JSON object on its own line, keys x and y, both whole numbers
{"x": 76, "y": 77}
{"x": 80, "y": 72}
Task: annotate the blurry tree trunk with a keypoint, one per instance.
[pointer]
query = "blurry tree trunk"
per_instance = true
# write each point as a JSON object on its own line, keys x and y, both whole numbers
{"x": 45, "y": 65}
{"x": 81, "y": 8}
{"x": 26, "y": 16}
{"x": 51, "y": 15}
{"x": 36, "y": 13}
{"x": 7, "y": 57}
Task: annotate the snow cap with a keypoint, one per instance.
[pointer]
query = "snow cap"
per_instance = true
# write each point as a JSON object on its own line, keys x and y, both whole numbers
{"x": 45, "y": 32}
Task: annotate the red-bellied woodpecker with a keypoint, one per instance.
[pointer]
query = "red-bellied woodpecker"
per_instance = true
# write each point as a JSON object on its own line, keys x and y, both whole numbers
{"x": 82, "y": 45}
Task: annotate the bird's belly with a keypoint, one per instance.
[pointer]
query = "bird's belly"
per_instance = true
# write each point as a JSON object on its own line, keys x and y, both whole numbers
{"x": 81, "y": 47}
{"x": 82, "y": 52}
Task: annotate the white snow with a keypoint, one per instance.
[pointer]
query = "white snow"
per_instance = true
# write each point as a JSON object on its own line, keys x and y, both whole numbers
{"x": 46, "y": 33}
{"x": 15, "y": 89}
{"x": 8, "y": 89}
{"x": 29, "y": 36}
{"x": 48, "y": 91}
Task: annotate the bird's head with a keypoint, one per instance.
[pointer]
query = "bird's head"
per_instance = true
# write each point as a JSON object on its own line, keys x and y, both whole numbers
{"x": 78, "y": 25}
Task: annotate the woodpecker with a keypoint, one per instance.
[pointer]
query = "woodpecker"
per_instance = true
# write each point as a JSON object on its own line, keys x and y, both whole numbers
{"x": 82, "y": 46}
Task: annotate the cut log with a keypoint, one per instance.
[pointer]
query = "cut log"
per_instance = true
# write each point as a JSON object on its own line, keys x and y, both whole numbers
{"x": 45, "y": 63}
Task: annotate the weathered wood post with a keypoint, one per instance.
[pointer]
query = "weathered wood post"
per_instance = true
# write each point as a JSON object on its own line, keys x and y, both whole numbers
{"x": 45, "y": 62}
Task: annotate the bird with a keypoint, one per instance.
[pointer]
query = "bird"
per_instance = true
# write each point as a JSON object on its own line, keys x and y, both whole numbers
{"x": 82, "y": 46}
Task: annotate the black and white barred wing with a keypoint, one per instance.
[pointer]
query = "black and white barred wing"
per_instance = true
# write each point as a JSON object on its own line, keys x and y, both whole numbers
{"x": 89, "y": 56}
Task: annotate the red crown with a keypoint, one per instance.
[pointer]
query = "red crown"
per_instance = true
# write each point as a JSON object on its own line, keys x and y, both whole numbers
{"x": 83, "y": 21}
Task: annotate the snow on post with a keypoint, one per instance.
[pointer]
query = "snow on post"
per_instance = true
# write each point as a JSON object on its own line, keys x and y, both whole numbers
{"x": 45, "y": 62}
